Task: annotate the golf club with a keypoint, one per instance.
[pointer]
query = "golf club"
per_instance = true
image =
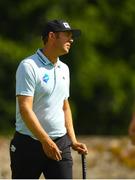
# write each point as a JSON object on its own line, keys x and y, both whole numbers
{"x": 83, "y": 166}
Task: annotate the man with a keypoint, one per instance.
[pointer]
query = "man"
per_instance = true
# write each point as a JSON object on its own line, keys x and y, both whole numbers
{"x": 44, "y": 128}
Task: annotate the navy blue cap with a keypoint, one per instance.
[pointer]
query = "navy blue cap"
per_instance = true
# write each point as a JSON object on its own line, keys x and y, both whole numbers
{"x": 59, "y": 26}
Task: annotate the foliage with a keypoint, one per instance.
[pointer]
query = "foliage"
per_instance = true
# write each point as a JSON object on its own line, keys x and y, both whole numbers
{"x": 101, "y": 61}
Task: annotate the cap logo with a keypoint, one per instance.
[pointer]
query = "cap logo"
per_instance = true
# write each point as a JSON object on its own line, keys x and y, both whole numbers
{"x": 66, "y": 25}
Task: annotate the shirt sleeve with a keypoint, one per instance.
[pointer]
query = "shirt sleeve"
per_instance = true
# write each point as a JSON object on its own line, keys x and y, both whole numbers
{"x": 25, "y": 79}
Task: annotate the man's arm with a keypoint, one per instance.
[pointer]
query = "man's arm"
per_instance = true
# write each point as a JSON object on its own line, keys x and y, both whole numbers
{"x": 77, "y": 146}
{"x": 30, "y": 119}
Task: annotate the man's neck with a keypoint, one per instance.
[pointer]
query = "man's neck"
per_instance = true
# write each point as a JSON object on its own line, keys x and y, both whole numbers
{"x": 50, "y": 56}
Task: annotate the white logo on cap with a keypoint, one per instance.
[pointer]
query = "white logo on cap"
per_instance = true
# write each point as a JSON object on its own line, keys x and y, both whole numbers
{"x": 66, "y": 25}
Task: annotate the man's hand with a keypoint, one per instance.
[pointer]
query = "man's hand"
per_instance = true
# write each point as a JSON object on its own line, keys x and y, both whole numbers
{"x": 51, "y": 150}
{"x": 80, "y": 148}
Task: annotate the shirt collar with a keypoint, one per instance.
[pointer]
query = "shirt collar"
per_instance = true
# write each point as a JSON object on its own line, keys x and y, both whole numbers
{"x": 45, "y": 60}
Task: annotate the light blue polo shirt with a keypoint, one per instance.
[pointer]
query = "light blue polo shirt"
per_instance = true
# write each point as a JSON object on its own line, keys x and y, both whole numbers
{"x": 49, "y": 85}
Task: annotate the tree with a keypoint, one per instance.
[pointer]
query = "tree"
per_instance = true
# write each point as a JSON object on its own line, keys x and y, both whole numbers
{"x": 101, "y": 61}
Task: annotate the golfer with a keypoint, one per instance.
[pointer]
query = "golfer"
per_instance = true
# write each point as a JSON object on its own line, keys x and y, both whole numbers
{"x": 44, "y": 127}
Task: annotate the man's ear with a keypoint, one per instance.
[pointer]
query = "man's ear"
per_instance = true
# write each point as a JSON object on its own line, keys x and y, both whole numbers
{"x": 51, "y": 35}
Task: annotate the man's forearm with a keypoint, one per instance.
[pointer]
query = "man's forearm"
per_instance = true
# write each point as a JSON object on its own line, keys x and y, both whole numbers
{"x": 34, "y": 125}
{"x": 69, "y": 122}
{"x": 30, "y": 118}
{"x": 49, "y": 147}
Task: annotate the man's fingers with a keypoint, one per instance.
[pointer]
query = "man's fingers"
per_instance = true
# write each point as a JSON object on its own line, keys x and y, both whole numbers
{"x": 58, "y": 155}
{"x": 81, "y": 148}
{"x": 52, "y": 151}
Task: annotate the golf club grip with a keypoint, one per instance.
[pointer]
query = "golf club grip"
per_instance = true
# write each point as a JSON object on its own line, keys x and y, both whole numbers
{"x": 83, "y": 166}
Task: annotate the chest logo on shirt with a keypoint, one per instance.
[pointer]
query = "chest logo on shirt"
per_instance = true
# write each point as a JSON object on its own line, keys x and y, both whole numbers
{"x": 46, "y": 78}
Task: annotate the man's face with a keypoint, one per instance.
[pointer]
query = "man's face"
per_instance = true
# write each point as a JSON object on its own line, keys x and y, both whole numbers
{"x": 63, "y": 42}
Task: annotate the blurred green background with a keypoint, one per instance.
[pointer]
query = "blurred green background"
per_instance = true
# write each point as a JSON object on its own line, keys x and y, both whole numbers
{"x": 101, "y": 61}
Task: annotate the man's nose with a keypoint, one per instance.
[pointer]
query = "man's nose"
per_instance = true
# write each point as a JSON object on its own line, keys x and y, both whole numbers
{"x": 71, "y": 40}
